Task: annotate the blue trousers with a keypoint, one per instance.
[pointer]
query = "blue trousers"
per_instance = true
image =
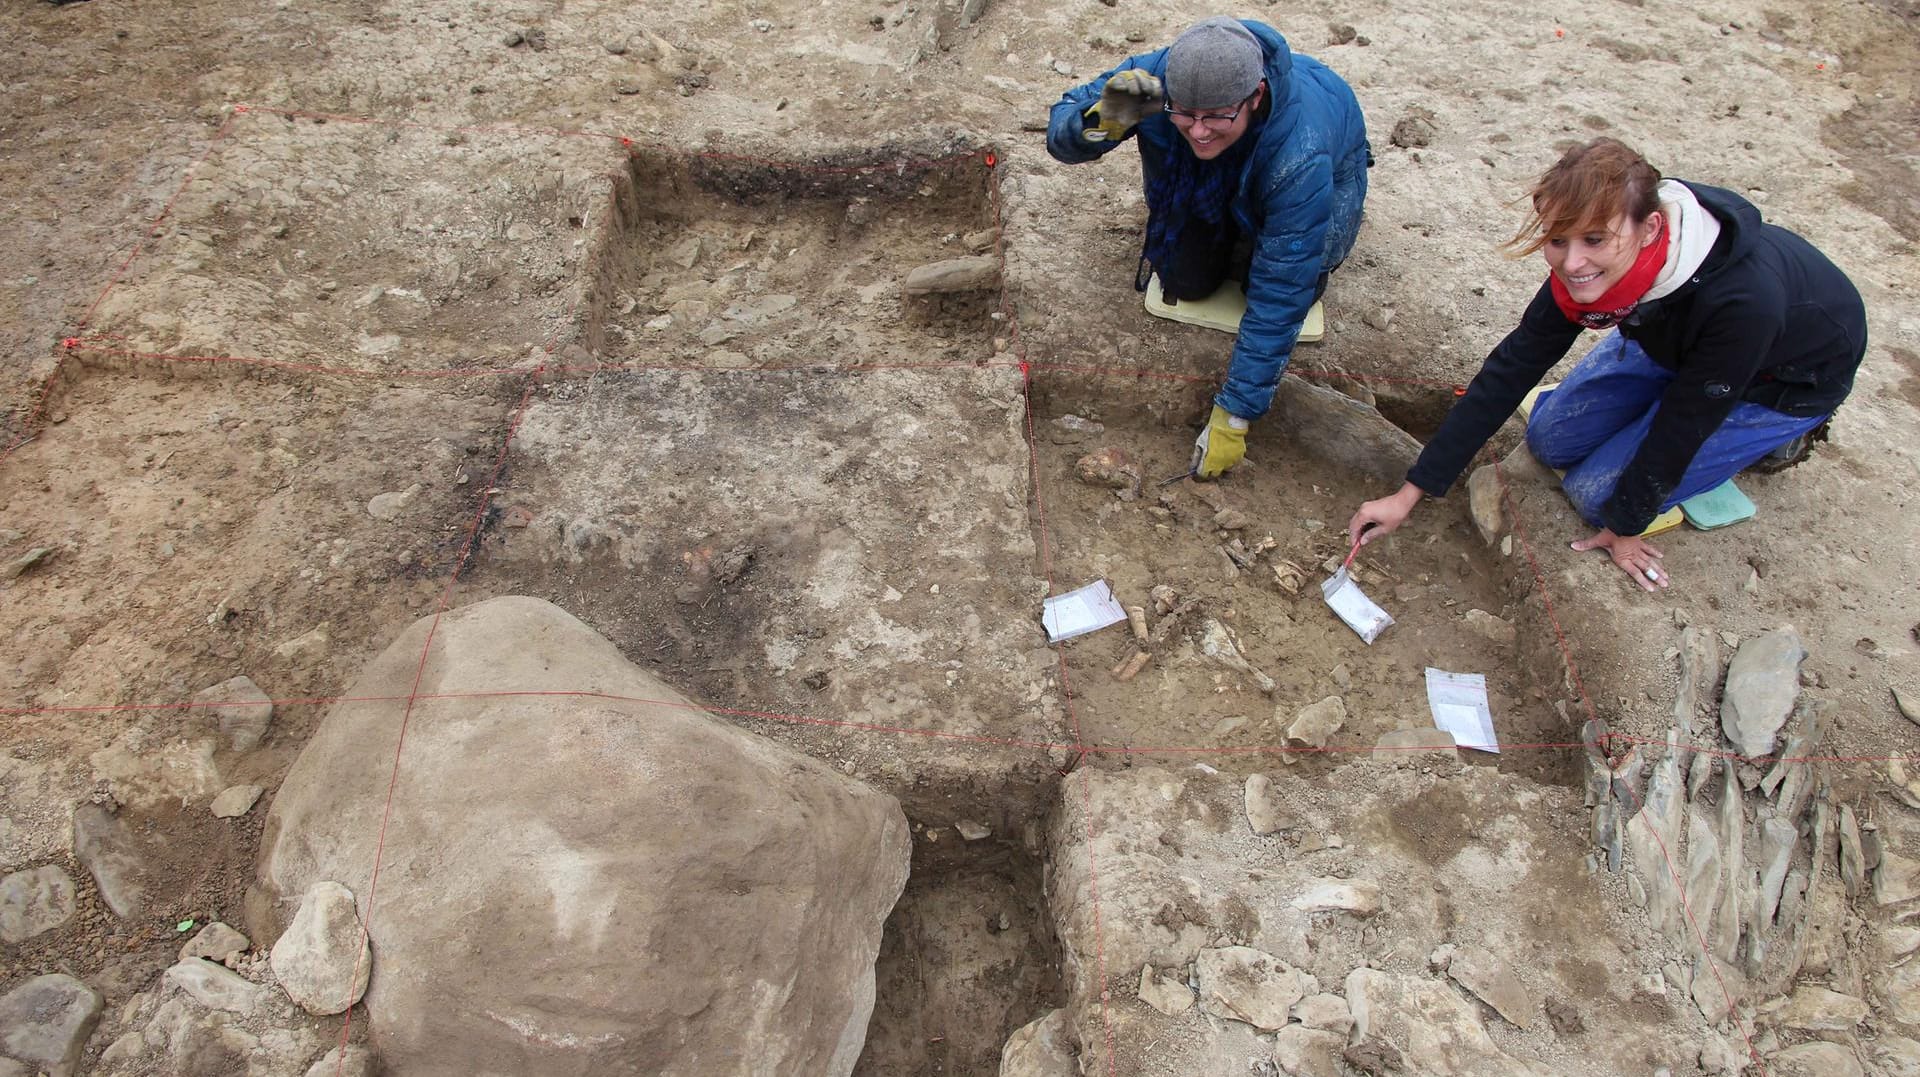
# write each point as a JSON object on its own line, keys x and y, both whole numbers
{"x": 1591, "y": 425}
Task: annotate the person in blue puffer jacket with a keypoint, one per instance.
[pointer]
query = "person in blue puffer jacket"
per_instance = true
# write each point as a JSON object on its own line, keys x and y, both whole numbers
{"x": 1255, "y": 166}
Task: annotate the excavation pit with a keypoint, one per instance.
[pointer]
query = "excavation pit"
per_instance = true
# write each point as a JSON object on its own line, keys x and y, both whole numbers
{"x": 1249, "y": 553}
{"x": 968, "y": 957}
{"x": 723, "y": 262}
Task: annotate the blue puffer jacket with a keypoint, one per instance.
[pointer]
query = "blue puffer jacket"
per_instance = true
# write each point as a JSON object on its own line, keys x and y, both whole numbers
{"x": 1299, "y": 196}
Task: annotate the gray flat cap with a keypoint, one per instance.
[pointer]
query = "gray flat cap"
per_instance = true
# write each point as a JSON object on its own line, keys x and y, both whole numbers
{"x": 1214, "y": 63}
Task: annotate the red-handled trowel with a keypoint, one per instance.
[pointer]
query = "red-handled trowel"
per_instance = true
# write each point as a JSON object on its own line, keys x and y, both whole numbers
{"x": 1352, "y": 604}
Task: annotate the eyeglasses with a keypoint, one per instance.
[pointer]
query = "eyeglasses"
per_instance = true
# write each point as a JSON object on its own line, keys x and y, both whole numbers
{"x": 1216, "y": 122}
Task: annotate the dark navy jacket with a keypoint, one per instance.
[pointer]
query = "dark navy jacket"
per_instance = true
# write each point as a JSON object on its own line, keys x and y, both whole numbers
{"x": 1766, "y": 318}
{"x": 1299, "y": 197}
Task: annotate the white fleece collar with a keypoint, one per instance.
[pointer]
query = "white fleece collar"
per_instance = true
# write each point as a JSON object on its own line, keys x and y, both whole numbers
{"x": 1691, "y": 232}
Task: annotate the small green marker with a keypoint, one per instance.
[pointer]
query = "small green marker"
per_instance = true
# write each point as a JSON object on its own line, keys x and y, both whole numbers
{"x": 183, "y": 926}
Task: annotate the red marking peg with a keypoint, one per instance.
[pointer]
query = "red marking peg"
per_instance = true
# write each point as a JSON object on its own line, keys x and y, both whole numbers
{"x": 1557, "y": 32}
{"x": 241, "y": 108}
{"x": 1459, "y": 390}
{"x": 992, "y": 159}
{"x": 70, "y": 342}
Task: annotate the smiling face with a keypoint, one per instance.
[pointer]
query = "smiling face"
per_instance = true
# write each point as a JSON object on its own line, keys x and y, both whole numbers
{"x": 1591, "y": 262}
{"x": 1209, "y": 131}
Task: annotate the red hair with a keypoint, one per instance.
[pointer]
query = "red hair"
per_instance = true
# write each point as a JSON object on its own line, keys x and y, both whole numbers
{"x": 1584, "y": 191}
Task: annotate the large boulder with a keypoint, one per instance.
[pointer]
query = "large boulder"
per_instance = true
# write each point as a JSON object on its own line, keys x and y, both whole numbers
{"x": 582, "y": 872}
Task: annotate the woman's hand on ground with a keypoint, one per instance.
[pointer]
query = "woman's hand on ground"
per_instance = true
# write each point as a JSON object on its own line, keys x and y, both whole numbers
{"x": 1636, "y": 557}
{"x": 1383, "y": 516}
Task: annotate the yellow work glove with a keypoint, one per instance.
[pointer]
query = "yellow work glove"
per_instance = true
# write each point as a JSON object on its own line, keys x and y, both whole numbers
{"x": 1129, "y": 97}
{"x": 1221, "y": 445}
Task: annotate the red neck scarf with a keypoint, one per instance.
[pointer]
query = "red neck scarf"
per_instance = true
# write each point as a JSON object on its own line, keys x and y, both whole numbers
{"x": 1619, "y": 300}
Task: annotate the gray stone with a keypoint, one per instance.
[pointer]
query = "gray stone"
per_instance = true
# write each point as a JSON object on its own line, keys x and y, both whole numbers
{"x": 323, "y": 960}
{"x": 1343, "y": 431}
{"x": 1308, "y": 1052}
{"x": 1715, "y": 989}
{"x": 1264, "y": 813}
{"x": 352, "y": 1060}
{"x": 1815, "y": 1060}
{"x": 236, "y": 801}
{"x": 1703, "y": 870}
{"x": 1357, "y": 896}
{"x": 390, "y": 505}
{"x": 215, "y": 942}
{"x": 759, "y": 308}
{"x": 1484, "y": 504}
{"x": 216, "y": 986}
{"x": 241, "y": 708}
{"x": 113, "y": 857}
{"x": 595, "y": 898}
{"x": 1763, "y": 682}
{"x": 1043, "y": 1047}
{"x": 1427, "y": 1020}
{"x": 1318, "y": 722}
{"x": 1816, "y": 1009}
{"x": 32, "y": 901}
{"x": 15, "y": 566}
{"x": 973, "y": 273}
{"x": 1653, "y": 836}
{"x": 1699, "y": 676}
{"x": 1700, "y": 772}
{"x": 45, "y": 1022}
{"x": 1724, "y": 936}
{"x": 1489, "y": 977}
{"x": 1717, "y": 1056}
{"x": 1165, "y": 993}
{"x": 1896, "y": 880}
{"x": 1898, "y": 988}
{"x": 1907, "y": 704}
{"x": 1416, "y": 747}
{"x": 307, "y": 647}
{"x": 1490, "y": 627}
{"x": 1241, "y": 983}
{"x": 1777, "y": 838}
{"x": 1897, "y": 1055}
{"x": 1327, "y": 1012}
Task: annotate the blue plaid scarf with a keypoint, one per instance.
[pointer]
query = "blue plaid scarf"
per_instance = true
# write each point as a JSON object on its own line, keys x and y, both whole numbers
{"x": 1191, "y": 194}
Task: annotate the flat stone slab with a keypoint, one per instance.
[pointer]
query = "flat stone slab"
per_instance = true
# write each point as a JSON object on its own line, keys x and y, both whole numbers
{"x": 1763, "y": 681}
{"x": 1490, "y": 978}
{"x": 34, "y": 901}
{"x": 45, "y": 1022}
{"x": 242, "y": 710}
{"x": 114, "y": 857}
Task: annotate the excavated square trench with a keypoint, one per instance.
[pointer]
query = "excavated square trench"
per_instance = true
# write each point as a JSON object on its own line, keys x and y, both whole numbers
{"x": 809, "y": 500}
{"x": 820, "y": 505}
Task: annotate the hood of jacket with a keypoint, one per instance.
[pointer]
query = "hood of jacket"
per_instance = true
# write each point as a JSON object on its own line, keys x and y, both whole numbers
{"x": 1739, "y": 229}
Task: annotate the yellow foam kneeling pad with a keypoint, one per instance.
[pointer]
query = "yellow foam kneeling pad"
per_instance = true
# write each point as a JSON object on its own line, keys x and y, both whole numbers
{"x": 1223, "y": 309}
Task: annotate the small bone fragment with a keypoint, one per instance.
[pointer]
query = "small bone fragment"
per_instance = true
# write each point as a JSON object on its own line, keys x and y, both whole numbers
{"x": 1217, "y": 643}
